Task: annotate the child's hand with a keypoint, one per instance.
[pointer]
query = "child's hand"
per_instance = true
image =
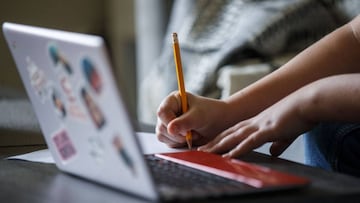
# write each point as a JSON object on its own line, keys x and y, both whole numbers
{"x": 281, "y": 124}
{"x": 204, "y": 118}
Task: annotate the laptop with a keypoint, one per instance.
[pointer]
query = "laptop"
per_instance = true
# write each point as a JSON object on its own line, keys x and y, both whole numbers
{"x": 83, "y": 117}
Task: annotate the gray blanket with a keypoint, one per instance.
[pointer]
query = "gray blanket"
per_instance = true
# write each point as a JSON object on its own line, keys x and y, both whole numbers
{"x": 213, "y": 33}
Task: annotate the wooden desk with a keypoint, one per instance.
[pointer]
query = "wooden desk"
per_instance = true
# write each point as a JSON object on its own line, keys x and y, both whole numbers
{"x": 22, "y": 181}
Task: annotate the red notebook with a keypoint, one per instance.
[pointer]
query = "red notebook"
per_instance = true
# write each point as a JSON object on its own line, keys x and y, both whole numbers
{"x": 248, "y": 173}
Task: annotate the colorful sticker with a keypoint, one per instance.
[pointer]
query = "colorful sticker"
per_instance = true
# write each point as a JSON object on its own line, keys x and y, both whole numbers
{"x": 59, "y": 59}
{"x": 38, "y": 80}
{"x": 91, "y": 75}
{"x": 73, "y": 106}
{"x": 96, "y": 149}
{"x": 64, "y": 71}
{"x": 58, "y": 104}
{"x": 95, "y": 113}
{"x": 123, "y": 154}
{"x": 64, "y": 145}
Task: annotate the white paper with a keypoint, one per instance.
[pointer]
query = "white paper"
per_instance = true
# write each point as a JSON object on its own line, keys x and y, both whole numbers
{"x": 148, "y": 143}
{"x": 42, "y": 156}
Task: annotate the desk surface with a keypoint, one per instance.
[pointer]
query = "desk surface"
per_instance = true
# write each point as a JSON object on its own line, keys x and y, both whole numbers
{"x": 22, "y": 181}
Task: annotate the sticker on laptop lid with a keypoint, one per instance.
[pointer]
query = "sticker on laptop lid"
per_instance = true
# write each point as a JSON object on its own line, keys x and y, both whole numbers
{"x": 63, "y": 144}
{"x": 65, "y": 99}
{"x": 91, "y": 75}
{"x": 59, "y": 59}
{"x": 38, "y": 80}
{"x": 93, "y": 109}
{"x": 96, "y": 149}
{"x": 58, "y": 102}
{"x": 123, "y": 153}
{"x": 72, "y": 100}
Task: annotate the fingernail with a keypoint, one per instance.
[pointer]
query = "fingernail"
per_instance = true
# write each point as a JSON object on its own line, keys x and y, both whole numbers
{"x": 204, "y": 149}
{"x": 227, "y": 155}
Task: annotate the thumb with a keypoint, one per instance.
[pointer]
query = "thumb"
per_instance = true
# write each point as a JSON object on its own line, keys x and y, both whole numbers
{"x": 182, "y": 124}
{"x": 277, "y": 148}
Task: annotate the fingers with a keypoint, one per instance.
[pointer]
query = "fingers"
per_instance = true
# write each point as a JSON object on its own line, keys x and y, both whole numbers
{"x": 163, "y": 135}
{"x": 170, "y": 142}
{"x": 182, "y": 124}
{"x": 201, "y": 118}
{"x": 169, "y": 113}
{"x": 228, "y": 139}
{"x": 279, "y": 147}
{"x": 251, "y": 142}
{"x": 245, "y": 137}
{"x": 169, "y": 108}
{"x": 257, "y": 139}
{"x": 170, "y": 128}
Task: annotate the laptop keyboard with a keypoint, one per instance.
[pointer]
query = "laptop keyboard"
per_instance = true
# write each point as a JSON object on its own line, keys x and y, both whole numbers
{"x": 174, "y": 179}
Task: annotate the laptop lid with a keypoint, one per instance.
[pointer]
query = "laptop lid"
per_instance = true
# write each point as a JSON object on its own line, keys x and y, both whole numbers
{"x": 85, "y": 123}
{"x": 70, "y": 83}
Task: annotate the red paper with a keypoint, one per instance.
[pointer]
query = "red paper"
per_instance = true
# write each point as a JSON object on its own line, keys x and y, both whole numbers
{"x": 248, "y": 173}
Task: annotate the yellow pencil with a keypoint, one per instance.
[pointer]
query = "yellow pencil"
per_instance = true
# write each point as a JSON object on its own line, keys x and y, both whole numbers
{"x": 181, "y": 84}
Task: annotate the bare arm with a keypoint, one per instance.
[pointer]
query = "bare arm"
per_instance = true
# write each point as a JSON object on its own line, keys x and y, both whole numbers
{"x": 337, "y": 53}
{"x": 334, "y": 98}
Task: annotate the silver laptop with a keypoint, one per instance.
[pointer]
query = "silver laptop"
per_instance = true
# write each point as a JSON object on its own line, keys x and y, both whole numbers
{"x": 86, "y": 126}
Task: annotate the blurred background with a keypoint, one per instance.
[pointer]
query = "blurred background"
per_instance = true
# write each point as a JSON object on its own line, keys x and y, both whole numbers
{"x": 112, "y": 19}
{"x": 226, "y": 45}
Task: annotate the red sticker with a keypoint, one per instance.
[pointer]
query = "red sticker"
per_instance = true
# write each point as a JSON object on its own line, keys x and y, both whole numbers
{"x": 64, "y": 146}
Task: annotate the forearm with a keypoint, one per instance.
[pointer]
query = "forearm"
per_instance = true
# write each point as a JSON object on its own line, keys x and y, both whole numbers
{"x": 335, "y": 98}
{"x": 337, "y": 53}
